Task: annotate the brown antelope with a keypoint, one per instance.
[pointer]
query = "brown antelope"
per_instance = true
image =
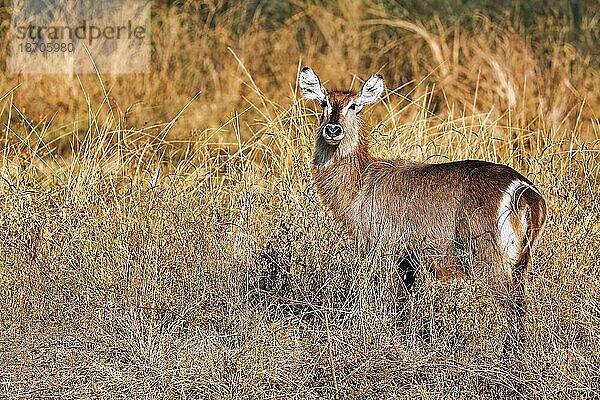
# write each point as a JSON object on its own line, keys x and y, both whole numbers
{"x": 476, "y": 217}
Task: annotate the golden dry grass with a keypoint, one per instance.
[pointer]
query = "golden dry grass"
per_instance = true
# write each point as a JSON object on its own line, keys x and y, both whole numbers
{"x": 141, "y": 258}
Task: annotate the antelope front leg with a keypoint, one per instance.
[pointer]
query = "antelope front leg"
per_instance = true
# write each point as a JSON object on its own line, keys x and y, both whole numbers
{"x": 407, "y": 270}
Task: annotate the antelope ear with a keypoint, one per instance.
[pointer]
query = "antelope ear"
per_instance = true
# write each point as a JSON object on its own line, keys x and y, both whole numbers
{"x": 310, "y": 85}
{"x": 371, "y": 91}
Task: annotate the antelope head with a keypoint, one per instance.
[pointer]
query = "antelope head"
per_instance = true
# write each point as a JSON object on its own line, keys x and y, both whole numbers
{"x": 339, "y": 129}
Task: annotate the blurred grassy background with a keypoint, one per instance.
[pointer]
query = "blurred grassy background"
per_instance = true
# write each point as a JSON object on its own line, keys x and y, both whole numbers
{"x": 537, "y": 58}
{"x": 146, "y": 252}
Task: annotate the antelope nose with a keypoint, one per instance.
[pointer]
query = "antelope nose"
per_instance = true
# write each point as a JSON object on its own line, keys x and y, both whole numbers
{"x": 333, "y": 130}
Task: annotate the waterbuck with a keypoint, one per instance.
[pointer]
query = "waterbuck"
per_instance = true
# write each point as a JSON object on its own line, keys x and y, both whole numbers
{"x": 475, "y": 217}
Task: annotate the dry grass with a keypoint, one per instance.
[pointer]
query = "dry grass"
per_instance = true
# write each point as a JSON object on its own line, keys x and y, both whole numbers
{"x": 146, "y": 259}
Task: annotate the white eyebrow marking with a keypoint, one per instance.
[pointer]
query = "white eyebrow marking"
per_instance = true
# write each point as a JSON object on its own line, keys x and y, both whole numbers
{"x": 328, "y": 108}
{"x": 345, "y": 109}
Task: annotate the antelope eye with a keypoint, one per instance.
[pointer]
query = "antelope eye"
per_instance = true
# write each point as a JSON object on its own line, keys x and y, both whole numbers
{"x": 352, "y": 106}
{"x": 324, "y": 103}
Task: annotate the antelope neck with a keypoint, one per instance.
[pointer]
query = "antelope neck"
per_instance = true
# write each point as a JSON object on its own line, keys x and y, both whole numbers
{"x": 338, "y": 180}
